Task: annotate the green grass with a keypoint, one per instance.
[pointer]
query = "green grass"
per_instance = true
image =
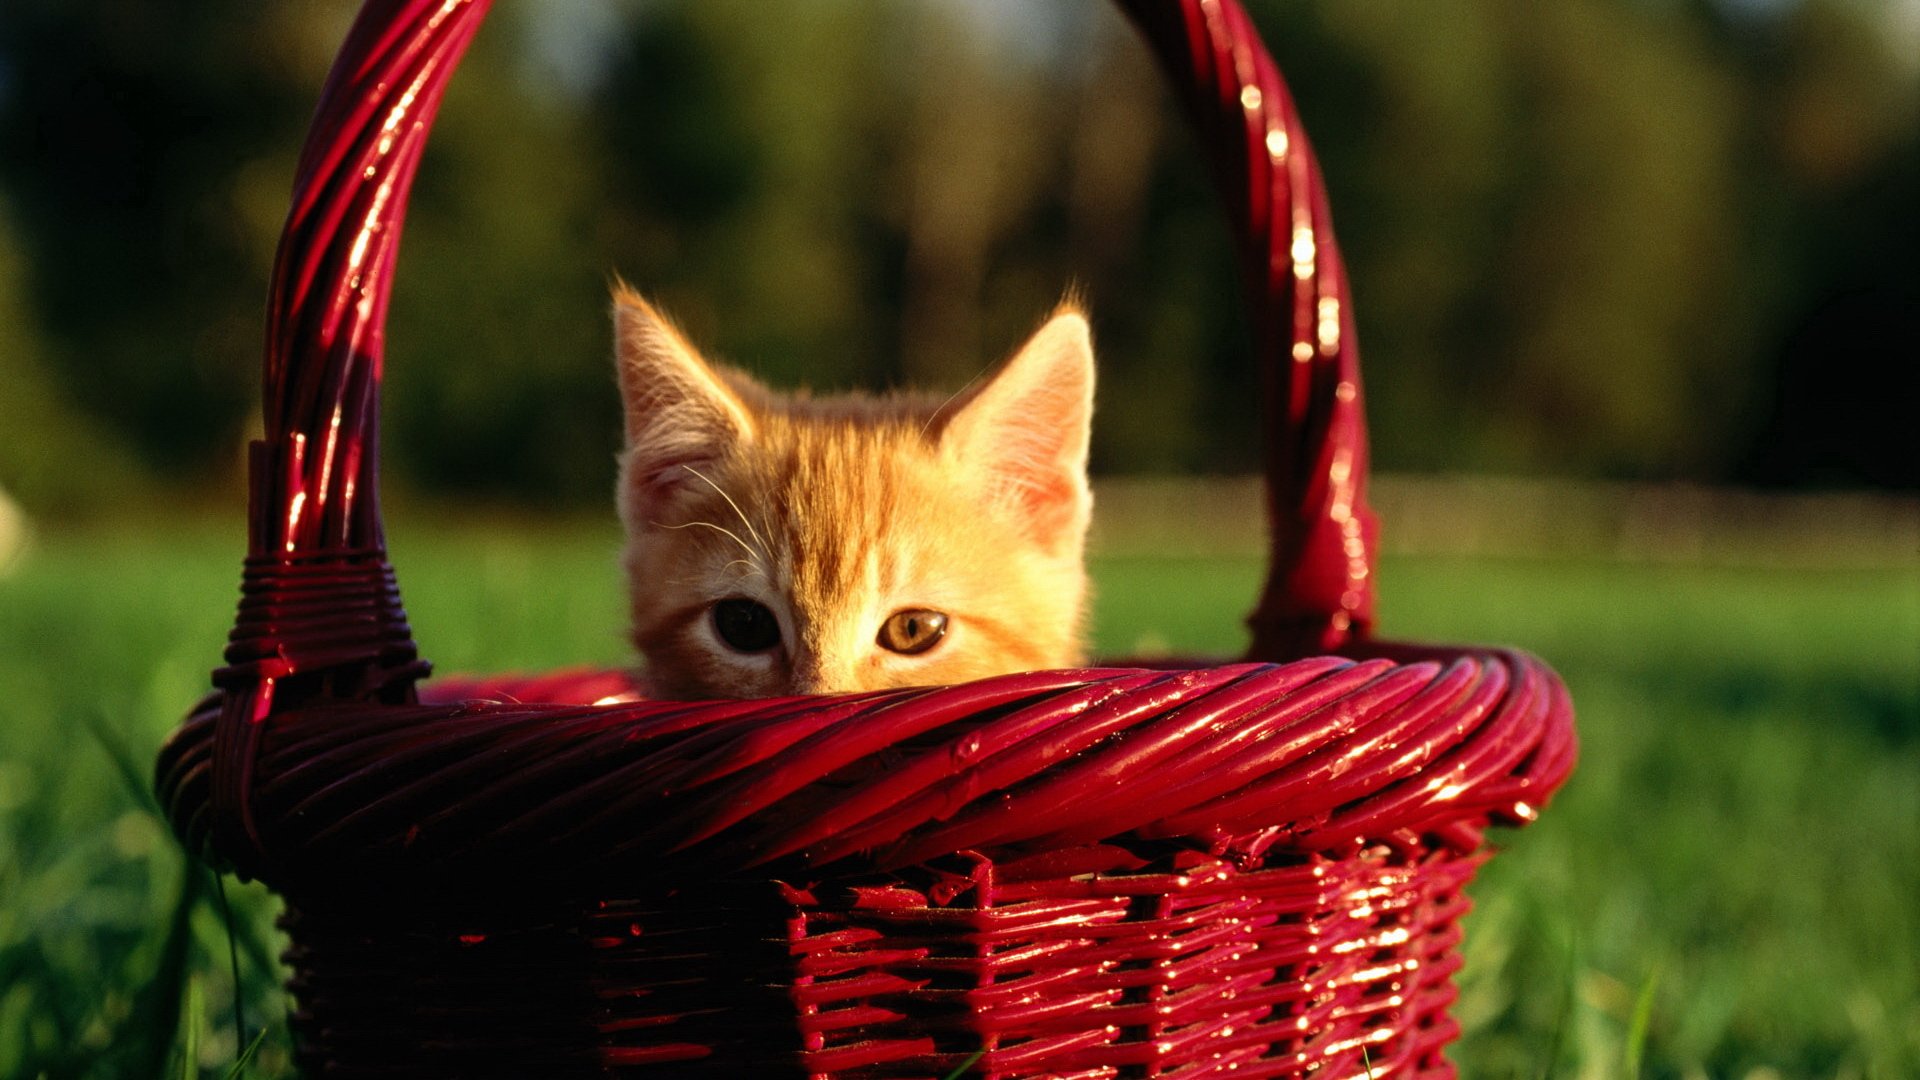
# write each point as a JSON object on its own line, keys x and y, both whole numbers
{"x": 1727, "y": 886}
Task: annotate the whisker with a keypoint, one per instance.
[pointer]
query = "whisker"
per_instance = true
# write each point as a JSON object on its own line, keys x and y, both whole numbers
{"x": 751, "y": 531}
{"x": 951, "y": 398}
{"x": 721, "y": 529}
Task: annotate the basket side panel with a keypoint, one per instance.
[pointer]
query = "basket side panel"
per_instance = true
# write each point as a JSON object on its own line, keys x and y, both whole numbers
{"x": 1185, "y": 967}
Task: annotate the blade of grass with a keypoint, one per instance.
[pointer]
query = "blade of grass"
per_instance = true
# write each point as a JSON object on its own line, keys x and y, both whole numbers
{"x": 257, "y": 952}
{"x": 190, "y": 1041}
{"x": 239, "y": 1070}
{"x": 16, "y": 1007}
{"x": 967, "y": 1064}
{"x": 146, "y": 1036}
{"x": 113, "y": 744}
{"x": 1557, "y": 1037}
{"x": 1637, "y": 1029}
{"x": 1366, "y": 1060}
{"x": 233, "y": 953}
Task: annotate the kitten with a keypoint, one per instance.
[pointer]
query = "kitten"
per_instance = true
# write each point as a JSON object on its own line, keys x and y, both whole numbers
{"x": 783, "y": 544}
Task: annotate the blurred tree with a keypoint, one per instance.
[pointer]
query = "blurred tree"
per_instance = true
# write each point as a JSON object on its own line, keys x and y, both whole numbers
{"x": 1537, "y": 205}
{"x": 1838, "y": 171}
{"x": 742, "y": 144}
{"x": 866, "y": 192}
{"x": 1146, "y": 239}
{"x": 1617, "y": 269}
{"x": 53, "y": 457}
{"x": 498, "y": 378}
{"x": 979, "y": 135}
{"x": 131, "y": 134}
{"x": 1579, "y": 234}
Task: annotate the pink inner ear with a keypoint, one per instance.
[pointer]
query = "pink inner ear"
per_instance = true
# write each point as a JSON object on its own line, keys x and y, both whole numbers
{"x": 1056, "y": 508}
{"x": 1027, "y": 430}
{"x": 1043, "y": 487}
{"x": 648, "y": 486}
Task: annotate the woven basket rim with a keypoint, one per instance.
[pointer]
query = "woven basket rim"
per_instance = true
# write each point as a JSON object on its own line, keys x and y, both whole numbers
{"x": 1248, "y": 759}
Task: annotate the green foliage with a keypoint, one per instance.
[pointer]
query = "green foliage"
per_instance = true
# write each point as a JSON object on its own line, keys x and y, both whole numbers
{"x": 1745, "y": 819}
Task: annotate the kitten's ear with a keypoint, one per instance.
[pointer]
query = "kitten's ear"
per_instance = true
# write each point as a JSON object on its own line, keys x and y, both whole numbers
{"x": 680, "y": 413}
{"x": 1025, "y": 432}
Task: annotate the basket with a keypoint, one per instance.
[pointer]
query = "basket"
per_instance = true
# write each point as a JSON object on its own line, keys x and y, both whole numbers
{"x": 1253, "y": 869}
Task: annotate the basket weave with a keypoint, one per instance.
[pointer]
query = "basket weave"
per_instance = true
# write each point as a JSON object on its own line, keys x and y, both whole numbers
{"x": 1253, "y": 869}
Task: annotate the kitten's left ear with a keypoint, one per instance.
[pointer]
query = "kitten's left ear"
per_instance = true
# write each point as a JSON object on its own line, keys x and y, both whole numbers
{"x": 682, "y": 416}
{"x": 1026, "y": 431}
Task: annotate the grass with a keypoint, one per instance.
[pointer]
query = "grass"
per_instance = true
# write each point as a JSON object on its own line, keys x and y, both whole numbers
{"x": 1727, "y": 887}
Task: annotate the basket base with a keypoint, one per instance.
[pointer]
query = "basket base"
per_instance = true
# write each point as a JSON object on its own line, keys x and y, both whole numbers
{"x": 1103, "y": 961}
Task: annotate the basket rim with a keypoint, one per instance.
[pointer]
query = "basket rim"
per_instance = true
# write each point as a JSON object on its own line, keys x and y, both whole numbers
{"x": 1320, "y": 755}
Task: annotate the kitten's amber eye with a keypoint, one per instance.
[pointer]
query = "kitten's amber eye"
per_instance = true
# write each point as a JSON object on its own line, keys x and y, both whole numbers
{"x": 913, "y": 631}
{"x": 746, "y": 625}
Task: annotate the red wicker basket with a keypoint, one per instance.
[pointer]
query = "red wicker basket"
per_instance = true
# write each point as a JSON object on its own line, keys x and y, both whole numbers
{"x": 1254, "y": 869}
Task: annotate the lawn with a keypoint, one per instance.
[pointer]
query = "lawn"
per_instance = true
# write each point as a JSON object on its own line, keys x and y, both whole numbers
{"x": 1737, "y": 858}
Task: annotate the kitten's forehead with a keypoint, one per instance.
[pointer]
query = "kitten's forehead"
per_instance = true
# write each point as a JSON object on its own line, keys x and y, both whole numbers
{"x": 847, "y": 498}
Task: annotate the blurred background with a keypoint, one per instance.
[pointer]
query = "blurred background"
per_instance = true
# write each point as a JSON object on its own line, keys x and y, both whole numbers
{"x": 1651, "y": 239}
{"x": 1638, "y": 290}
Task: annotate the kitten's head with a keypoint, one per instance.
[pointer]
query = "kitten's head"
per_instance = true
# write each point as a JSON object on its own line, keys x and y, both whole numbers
{"x": 782, "y": 545}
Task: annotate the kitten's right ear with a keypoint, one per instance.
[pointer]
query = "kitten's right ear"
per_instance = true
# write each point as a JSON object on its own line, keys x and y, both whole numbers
{"x": 1026, "y": 430}
{"x": 680, "y": 415}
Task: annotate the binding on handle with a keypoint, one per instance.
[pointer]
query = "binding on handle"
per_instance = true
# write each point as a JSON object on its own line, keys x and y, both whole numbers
{"x": 320, "y": 614}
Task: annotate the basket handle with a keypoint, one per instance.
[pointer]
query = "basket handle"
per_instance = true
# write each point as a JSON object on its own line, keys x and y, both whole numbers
{"x": 1322, "y": 535}
{"x": 320, "y": 614}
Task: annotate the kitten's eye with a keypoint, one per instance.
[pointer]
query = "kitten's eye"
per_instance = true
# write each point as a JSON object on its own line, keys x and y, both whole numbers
{"x": 746, "y": 625}
{"x": 913, "y": 631}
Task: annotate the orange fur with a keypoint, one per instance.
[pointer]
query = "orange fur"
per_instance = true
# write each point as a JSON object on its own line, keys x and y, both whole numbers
{"x": 837, "y": 512}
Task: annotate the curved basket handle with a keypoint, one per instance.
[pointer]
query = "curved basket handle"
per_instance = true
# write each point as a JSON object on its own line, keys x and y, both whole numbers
{"x": 320, "y": 614}
{"x": 1321, "y": 534}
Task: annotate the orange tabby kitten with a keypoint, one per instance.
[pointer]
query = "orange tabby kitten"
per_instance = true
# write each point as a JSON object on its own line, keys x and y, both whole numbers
{"x": 791, "y": 545}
